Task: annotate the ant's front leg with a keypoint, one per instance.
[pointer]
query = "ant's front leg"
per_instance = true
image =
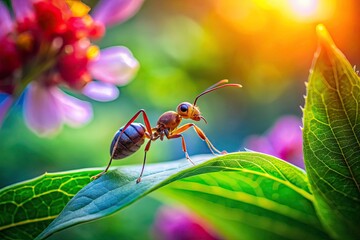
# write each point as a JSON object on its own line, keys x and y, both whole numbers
{"x": 172, "y": 136}
{"x": 200, "y": 133}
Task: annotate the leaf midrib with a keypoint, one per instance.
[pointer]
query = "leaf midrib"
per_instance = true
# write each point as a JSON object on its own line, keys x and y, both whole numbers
{"x": 286, "y": 182}
{"x": 344, "y": 110}
{"x": 257, "y": 201}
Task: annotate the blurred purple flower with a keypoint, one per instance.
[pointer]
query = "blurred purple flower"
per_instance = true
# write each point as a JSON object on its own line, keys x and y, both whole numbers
{"x": 71, "y": 61}
{"x": 110, "y": 12}
{"x": 177, "y": 224}
{"x": 6, "y": 24}
{"x": 283, "y": 140}
{"x": 46, "y": 108}
{"x": 115, "y": 65}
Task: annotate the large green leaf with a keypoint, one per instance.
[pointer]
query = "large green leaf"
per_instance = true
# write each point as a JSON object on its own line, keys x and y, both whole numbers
{"x": 332, "y": 139}
{"x": 27, "y": 208}
{"x": 276, "y": 186}
{"x": 250, "y": 205}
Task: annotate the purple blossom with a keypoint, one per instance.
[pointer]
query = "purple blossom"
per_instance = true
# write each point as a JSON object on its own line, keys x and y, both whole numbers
{"x": 47, "y": 108}
{"x": 115, "y": 65}
{"x": 110, "y": 12}
{"x": 178, "y": 224}
{"x": 6, "y": 24}
{"x": 101, "y": 91}
{"x": 72, "y": 61}
{"x": 283, "y": 140}
{"x": 23, "y": 9}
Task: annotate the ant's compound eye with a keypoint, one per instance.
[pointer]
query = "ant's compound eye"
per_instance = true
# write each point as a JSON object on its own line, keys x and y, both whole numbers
{"x": 184, "y": 108}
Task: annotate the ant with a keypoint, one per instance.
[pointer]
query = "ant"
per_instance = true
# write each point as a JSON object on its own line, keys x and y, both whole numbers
{"x": 129, "y": 138}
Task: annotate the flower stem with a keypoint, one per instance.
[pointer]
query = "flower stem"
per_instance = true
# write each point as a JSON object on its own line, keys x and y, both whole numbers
{"x": 42, "y": 63}
{"x": 33, "y": 74}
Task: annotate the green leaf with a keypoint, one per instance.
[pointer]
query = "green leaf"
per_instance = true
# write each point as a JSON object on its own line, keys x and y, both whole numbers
{"x": 27, "y": 208}
{"x": 274, "y": 181}
{"x": 250, "y": 205}
{"x": 331, "y": 139}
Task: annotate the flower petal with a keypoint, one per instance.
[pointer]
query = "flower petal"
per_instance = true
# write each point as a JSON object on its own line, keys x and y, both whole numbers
{"x": 179, "y": 223}
{"x": 75, "y": 112}
{"x": 5, "y": 20}
{"x": 5, "y": 103}
{"x": 286, "y": 131}
{"x": 115, "y": 65}
{"x": 23, "y": 9}
{"x": 115, "y": 11}
{"x": 260, "y": 144}
{"x": 102, "y": 92}
{"x": 42, "y": 112}
{"x": 286, "y": 138}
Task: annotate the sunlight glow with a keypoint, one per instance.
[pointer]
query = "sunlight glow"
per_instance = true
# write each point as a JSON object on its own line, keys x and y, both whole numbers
{"x": 300, "y": 10}
{"x": 251, "y": 16}
{"x": 304, "y": 8}
{"x": 309, "y": 10}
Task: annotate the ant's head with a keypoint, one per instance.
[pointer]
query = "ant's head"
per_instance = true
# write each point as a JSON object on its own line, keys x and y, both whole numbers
{"x": 188, "y": 110}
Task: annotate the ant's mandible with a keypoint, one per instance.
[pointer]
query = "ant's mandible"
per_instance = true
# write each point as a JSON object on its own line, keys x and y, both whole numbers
{"x": 130, "y": 137}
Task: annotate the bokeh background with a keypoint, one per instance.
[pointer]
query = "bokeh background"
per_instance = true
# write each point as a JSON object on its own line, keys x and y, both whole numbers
{"x": 184, "y": 47}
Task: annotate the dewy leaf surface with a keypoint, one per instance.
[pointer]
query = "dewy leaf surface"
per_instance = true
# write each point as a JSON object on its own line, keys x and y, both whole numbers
{"x": 332, "y": 139}
{"x": 117, "y": 189}
{"x": 27, "y": 208}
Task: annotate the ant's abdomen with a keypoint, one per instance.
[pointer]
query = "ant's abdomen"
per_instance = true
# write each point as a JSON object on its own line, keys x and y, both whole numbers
{"x": 129, "y": 142}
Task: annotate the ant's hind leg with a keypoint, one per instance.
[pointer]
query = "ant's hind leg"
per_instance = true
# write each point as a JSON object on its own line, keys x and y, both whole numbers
{"x": 103, "y": 172}
{"x": 147, "y": 147}
{"x": 148, "y": 134}
{"x": 97, "y": 176}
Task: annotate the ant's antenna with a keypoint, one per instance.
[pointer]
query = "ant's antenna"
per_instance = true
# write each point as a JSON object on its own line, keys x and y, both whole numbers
{"x": 217, "y": 86}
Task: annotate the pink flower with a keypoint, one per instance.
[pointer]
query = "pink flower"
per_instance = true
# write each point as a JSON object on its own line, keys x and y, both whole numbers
{"x": 45, "y": 109}
{"x": 283, "y": 140}
{"x": 6, "y": 25}
{"x": 47, "y": 46}
{"x": 110, "y": 12}
{"x": 114, "y": 65}
{"x": 172, "y": 223}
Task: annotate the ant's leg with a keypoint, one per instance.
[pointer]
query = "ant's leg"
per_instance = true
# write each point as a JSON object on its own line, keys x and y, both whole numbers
{"x": 147, "y": 124}
{"x": 143, "y": 166}
{"x": 149, "y": 133}
{"x": 183, "y": 144}
{"x": 200, "y": 133}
